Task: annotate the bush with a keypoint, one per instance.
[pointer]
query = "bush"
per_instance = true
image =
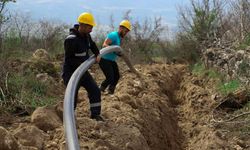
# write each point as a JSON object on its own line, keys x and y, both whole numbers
{"x": 187, "y": 48}
{"x": 25, "y": 92}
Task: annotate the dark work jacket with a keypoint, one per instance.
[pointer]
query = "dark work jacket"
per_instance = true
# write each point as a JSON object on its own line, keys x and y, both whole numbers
{"x": 77, "y": 49}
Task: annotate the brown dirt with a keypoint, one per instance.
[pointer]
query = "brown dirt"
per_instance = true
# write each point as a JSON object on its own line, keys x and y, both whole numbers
{"x": 198, "y": 101}
{"x": 169, "y": 109}
{"x": 138, "y": 116}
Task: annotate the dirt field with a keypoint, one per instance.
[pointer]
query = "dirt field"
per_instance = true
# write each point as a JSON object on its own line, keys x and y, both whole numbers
{"x": 169, "y": 108}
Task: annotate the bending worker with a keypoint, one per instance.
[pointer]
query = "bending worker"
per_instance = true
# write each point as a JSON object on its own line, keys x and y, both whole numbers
{"x": 108, "y": 62}
{"x": 77, "y": 46}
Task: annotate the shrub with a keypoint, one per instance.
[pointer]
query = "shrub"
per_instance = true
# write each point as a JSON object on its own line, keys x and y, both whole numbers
{"x": 26, "y": 92}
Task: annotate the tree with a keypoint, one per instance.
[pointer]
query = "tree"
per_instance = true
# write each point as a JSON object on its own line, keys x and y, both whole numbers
{"x": 202, "y": 24}
{"x": 240, "y": 10}
{"x": 202, "y": 20}
{"x": 23, "y": 26}
{"x": 144, "y": 39}
{"x": 52, "y": 34}
{"x": 3, "y": 18}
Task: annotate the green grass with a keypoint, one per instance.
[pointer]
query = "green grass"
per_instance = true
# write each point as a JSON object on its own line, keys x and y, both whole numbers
{"x": 198, "y": 69}
{"x": 35, "y": 86}
{"x": 16, "y": 54}
{"x": 26, "y": 91}
{"x": 35, "y": 100}
{"x": 213, "y": 74}
{"x": 242, "y": 46}
{"x": 22, "y": 89}
{"x": 223, "y": 88}
{"x": 229, "y": 87}
{"x": 245, "y": 43}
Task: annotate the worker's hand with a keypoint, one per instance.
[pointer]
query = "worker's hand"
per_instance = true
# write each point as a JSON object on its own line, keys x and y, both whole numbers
{"x": 98, "y": 58}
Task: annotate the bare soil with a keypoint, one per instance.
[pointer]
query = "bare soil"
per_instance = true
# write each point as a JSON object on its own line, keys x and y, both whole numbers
{"x": 169, "y": 108}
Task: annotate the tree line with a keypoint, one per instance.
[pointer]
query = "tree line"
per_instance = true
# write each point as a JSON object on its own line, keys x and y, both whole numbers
{"x": 202, "y": 24}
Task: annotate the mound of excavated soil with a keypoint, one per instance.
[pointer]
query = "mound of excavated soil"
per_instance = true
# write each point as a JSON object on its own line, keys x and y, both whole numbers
{"x": 138, "y": 116}
{"x": 197, "y": 98}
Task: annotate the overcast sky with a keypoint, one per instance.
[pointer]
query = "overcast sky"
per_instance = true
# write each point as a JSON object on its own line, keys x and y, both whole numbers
{"x": 68, "y": 10}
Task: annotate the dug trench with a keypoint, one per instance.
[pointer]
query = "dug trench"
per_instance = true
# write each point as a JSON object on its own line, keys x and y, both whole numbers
{"x": 140, "y": 115}
{"x": 168, "y": 108}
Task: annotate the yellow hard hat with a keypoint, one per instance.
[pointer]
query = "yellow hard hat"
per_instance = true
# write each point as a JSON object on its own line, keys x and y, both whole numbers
{"x": 126, "y": 24}
{"x": 87, "y": 18}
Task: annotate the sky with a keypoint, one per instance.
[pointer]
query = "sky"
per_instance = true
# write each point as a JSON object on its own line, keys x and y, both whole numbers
{"x": 68, "y": 10}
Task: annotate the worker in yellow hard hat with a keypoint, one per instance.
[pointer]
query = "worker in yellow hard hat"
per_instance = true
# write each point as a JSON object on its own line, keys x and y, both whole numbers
{"x": 108, "y": 62}
{"x": 77, "y": 46}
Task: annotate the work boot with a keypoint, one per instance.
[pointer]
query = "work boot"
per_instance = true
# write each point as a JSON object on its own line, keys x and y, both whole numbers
{"x": 102, "y": 89}
{"x": 111, "y": 90}
{"x": 97, "y": 118}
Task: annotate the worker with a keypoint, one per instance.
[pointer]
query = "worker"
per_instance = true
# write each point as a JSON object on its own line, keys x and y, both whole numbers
{"x": 77, "y": 45}
{"x": 108, "y": 62}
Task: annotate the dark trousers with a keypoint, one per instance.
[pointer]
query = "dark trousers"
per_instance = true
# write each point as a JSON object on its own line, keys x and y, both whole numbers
{"x": 93, "y": 90}
{"x": 111, "y": 72}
